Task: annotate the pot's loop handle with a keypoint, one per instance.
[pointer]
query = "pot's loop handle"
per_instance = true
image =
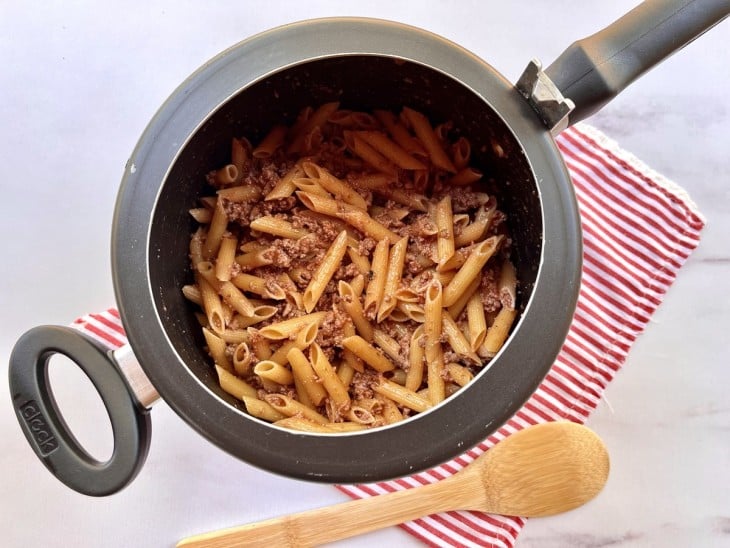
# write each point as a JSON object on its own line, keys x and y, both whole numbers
{"x": 592, "y": 71}
{"x": 47, "y": 432}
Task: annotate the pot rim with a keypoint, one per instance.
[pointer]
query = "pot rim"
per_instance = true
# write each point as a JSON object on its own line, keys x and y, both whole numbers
{"x": 427, "y": 439}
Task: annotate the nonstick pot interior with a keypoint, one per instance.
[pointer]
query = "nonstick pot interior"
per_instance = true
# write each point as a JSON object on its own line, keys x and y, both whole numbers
{"x": 265, "y": 81}
{"x": 359, "y": 82}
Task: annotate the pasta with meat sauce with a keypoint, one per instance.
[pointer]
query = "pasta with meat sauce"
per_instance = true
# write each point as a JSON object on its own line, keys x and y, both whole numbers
{"x": 350, "y": 270}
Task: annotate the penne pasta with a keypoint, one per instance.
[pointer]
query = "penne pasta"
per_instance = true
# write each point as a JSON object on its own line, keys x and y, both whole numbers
{"x": 212, "y": 306}
{"x": 393, "y": 275}
{"x": 353, "y": 307}
{"x": 303, "y": 339}
{"x": 277, "y": 227}
{"x": 378, "y": 276}
{"x": 364, "y": 150}
{"x": 201, "y": 215}
{"x": 459, "y": 374}
{"x": 285, "y": 186}
{"x": 243, "y": 193}
{"x": 362, "y": 263}
{"x": 274, "y": 372}
{"x": 461, "y": 153}
{"x": 254, "y": 259}
{"x": 292, "y": 408}
{"x": 304, "y": 372}
{"x": 382, "y": 184}
{"x": 238, "y": 388}
{"x": 226, "y": 175}
{"x": 444, "y": 219}
{"x": 476, "y": 321}
{"x": 471, "y": 269}
{"x": 318, "y": 118}
{"x": 217, "y": 349}
{"x": 192, "y": 293}
{"x": 368, "y": 353}
{"x": 284, "y": 329}
{"x": 456, "y": 338}
{"x": 400, "y": 133}
{"x": 261, "y": 346}
{"x": 467, "y": 176}
{"x": 334, "y": 185}
{"x": 235, "y": 336}
{"x": 498, "y": 331}
{"x": 262, "y": 410}
{"x": 332, "y": 384}
{"x": 433, "y": 351}
{"x": 216, "y": 229}
{"x": 273, "y": 140}
{"x": 414, "y": 376}
{"x": 242, "y": 359}
{"x": 425, "y": 133}
{"x": 402, "y": 395}
{"x": 260, "y": 314}
{"x": 508, "y": 285}
{"x": 234, "y": 297}
{"x": 390, "y": 150}
{"x": 457, "y": 308}
{"x": 226, "y": 256}
{"x": 255, "y": 284}
{"x": 326, "y": 269}
{"x": 239, "y": 154}
{"x": 351, "y": 215}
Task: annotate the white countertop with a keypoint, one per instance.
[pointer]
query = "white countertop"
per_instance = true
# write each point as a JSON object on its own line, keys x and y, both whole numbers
{"x": 80, "y": 81}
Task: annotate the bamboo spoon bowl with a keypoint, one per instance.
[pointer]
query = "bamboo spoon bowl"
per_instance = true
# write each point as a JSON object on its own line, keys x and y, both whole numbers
{"x": 540, "y": 471}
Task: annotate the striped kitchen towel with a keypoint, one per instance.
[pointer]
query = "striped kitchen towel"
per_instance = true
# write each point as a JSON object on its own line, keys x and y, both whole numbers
{"x": 638, "y": 230}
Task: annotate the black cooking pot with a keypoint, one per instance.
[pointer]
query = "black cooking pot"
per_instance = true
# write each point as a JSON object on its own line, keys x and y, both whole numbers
{"x": 364, "y": 64}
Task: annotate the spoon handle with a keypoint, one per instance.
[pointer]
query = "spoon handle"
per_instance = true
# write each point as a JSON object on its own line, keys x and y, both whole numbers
{"x": 331, "y": 523}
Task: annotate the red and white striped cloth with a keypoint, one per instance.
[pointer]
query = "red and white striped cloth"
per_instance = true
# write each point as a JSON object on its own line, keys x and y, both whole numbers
{"x": 638, "y": 230}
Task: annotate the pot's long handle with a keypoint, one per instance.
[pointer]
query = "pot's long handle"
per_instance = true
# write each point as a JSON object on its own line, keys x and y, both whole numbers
{"x": 44, "y": 427}
{"x": 592, "y": 71}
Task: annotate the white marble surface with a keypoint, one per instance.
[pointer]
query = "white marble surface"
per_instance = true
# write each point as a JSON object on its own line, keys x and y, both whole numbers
{"x": 78, "y": 84}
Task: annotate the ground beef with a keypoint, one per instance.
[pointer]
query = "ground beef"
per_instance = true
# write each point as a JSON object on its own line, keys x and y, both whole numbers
{"x": 332, "y": 330}
{"x": 362, "y": 384}
{"x": 422, "y": 226}
{"x": 489, "y": 290}
{"x": 271, "y": 207}
{"x": 238, "y": 212}
{"x": 466, "y": 200}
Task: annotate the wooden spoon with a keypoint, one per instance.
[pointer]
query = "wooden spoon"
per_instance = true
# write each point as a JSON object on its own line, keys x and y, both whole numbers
{"x": 541, "y": 470}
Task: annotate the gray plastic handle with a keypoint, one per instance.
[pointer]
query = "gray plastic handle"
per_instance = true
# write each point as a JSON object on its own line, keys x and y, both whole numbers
{"x": 592, "y": 71}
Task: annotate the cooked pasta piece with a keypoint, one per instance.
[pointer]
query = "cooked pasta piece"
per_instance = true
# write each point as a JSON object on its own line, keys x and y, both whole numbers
{"x": 277, "y": 227}
{"x": 286, "y": 328}
{"x": 334, "y": 185}
{"x": 432, "y": 329}
{"x": 378, "y": 276}
{"x": 261, "y": 409}
{"x": 471, "y": 269}
{"x": 393, "y": 275}
{"x": 498, "y": 331}
{"x": 273, "y": 140}
{"x": 351, "y": 304}
{"x": 304, "y": 372}
{"x": 326, "y": 374}
{"x": 476, "y": 321}
{"x": 425, "y": 133}
{"x": 321, "y": 277}
{"x": 390, "y": 150}
{"x": 368, "y": 353}
{"x": 444, "y": 219}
